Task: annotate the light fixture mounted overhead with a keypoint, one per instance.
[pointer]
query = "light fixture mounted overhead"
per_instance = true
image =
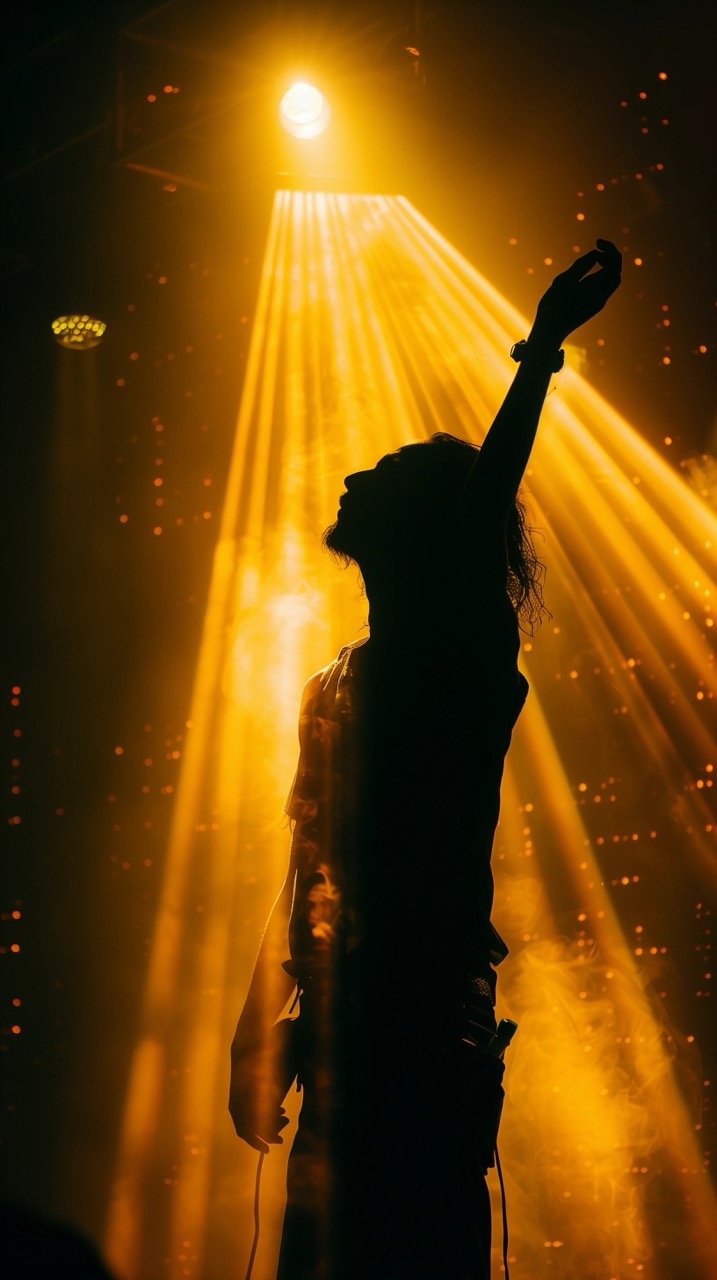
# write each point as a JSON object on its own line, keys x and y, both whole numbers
{"x": 78, "y": 332}
{"x": 304, "y": 111}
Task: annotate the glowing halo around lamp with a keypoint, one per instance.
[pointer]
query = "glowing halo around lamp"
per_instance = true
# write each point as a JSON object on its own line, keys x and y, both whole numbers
{"x": 304, "y": 111}
{"x": 79, "y": 332}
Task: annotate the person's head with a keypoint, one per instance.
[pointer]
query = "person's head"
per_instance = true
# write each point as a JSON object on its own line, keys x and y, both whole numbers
{"x": 399, "y": 522}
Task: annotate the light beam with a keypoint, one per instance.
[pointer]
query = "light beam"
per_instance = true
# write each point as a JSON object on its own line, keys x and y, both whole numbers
{"x": 372, "y": 331}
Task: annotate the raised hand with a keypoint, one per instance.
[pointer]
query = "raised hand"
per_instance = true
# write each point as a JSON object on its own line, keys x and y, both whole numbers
{"x": 576, "y": 295}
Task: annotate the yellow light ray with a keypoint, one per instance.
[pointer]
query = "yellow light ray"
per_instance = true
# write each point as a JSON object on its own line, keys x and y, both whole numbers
{"x": 371, "y": 331}
{"x": 125, "y": 1231}
{"x": 644, "y": 1109}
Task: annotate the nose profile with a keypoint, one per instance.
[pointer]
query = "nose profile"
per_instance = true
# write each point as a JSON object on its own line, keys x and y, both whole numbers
{"x": 355, "y": 475}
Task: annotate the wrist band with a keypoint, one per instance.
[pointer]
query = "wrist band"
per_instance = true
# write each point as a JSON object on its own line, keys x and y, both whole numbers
{"x": 517, "y": 351}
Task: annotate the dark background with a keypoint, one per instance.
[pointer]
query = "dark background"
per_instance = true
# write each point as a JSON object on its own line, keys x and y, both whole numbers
{"x": 520, "y": 131}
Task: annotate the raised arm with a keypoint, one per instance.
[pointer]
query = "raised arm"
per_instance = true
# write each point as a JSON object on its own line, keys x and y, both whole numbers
{"x": 574, "y": 297}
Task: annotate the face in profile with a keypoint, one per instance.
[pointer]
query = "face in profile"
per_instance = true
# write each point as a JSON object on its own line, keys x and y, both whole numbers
{"x": 395, "y": 514}
{"x": 382, "y": 507}
{"x": 403, "y": 523}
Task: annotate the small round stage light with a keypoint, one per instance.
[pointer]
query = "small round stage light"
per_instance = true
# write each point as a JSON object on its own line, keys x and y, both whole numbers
{"x": 78, "y": 333}
{"x": 304, "y": 111}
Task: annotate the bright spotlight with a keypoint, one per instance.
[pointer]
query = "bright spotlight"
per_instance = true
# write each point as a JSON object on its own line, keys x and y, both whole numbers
{"x": 304, "y": 111}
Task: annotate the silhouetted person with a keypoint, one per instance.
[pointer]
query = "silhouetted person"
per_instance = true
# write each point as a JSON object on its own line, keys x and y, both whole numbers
{"x": 383, "y": 922}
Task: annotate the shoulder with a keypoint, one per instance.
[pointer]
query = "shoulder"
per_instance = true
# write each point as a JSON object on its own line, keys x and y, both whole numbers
{"x": 324, "y": 682}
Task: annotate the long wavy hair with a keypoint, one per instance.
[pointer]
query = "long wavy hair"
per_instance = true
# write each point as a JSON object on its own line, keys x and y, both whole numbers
{"x": 525, "y": 570}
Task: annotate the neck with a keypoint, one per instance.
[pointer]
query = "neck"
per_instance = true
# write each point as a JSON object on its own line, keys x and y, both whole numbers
{"x": 396, "y": 614}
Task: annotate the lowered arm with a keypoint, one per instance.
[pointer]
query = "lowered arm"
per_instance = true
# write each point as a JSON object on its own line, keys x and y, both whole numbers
{"x": 270, "y": 986}
{"x": 259, "y": 1062}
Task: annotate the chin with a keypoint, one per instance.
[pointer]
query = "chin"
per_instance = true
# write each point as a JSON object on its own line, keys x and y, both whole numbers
{"x": 336, "y": 541}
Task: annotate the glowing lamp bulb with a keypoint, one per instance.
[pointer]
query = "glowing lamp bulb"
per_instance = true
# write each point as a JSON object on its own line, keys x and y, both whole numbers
{"x": 304, "y": 111}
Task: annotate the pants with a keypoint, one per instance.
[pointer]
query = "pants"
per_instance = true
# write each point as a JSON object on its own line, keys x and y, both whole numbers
{"x": 386, "y": 1177}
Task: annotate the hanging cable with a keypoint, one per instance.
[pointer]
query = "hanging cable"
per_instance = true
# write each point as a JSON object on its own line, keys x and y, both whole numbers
{"x": 504, "y": 1211}
{"x": 255, "y": 1241}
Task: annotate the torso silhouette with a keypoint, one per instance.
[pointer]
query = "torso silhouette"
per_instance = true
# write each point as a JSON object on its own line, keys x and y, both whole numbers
{"x": 395, "y": 802}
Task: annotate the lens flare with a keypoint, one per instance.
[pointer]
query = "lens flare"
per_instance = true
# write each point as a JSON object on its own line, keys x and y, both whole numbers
{"x": 304, "y": 111}
{"x": 372, "y": 331}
